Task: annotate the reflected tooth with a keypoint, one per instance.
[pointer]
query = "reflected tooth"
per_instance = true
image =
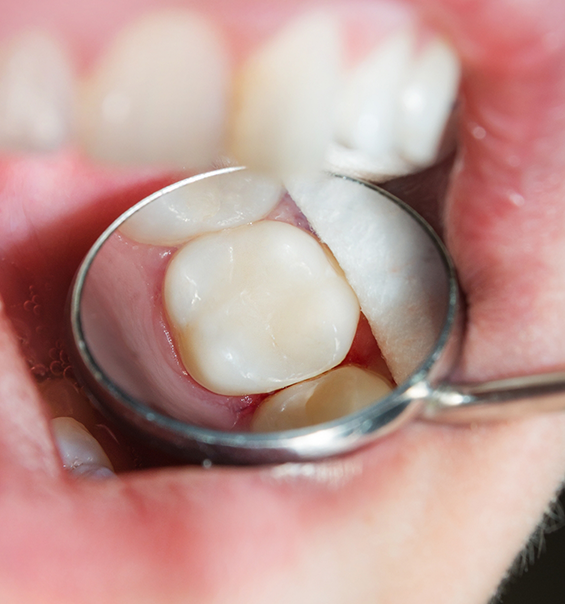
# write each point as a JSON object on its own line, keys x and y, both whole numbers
{"x": 389, "y": 261}
{"x": 368, "y": 113}
{"x": 79, "y": 450}
{"x": 210, "y": 204}
{"x": 284, "y": 113}
{"x": 36, "y": 94}
{"x": 258, "y": 307}
{"x": 427, "y": 102}
{"x": 159, "y": 94}
{"x": 333, "y": 395}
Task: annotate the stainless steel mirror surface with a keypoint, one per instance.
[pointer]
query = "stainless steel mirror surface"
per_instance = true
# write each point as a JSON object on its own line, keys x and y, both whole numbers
{"x": 130, "y": 355}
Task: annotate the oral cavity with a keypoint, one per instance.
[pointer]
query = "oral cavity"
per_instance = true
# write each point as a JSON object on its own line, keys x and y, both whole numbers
{"x": 167, "y": 92}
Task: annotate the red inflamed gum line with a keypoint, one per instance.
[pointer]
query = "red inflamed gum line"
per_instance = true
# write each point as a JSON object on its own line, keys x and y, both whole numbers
{"x": 429, "y": 514}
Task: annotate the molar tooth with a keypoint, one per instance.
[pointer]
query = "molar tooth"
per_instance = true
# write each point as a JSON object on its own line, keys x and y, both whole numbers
{"x": 285, "y": 98}
{"x": 427, "y": 102}
{"x": 258, "y": 307}
{"x": 159, "y": 94}
{"x": 79, "y": 450}
{"x": 210, "y": 204}
{"x": 36, "y": 94}
{"x": 367, "y": 118}
{"x": 335, "y": 394}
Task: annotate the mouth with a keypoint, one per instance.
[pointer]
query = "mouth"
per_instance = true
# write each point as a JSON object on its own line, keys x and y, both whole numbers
{"x": 423, "y": 515}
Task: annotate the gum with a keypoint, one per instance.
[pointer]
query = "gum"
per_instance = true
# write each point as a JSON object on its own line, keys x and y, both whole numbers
{"x": 128, "y": 295}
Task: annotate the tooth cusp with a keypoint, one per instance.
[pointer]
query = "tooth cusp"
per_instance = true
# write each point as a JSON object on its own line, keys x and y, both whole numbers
{"x": 257, "y": 308}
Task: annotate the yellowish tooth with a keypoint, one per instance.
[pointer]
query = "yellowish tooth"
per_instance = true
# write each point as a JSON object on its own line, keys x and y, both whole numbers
{"x": 36, "y": 94}
{"x": 159, "y": 94}
{"x": 285, "y": 98}
{"x": 335, "y": 394}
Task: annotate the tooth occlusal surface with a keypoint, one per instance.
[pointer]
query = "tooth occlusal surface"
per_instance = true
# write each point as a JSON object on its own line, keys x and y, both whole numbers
{"x": 159, "y": 94}
{"x": 333, "y": 395}
{"x": 211, "y": 204}
{"x": 258, "y": 307}
{"x": 36, "y": 94}
{"x": 285, "y": 98}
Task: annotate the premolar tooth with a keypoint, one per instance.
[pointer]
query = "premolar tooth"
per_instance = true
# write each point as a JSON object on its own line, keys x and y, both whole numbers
{"x": 335, "y": 394}
{"x": 258, "y": 307}
{"x": 159, "y": 95}
{"x": 80, "y": 452}
{"x": 368, "y": 112}
{"x": 285, "y": 98}
{"x": 36, "y": 94}
{"x": 427, "y": 102}
{"x": 210, "y": 204}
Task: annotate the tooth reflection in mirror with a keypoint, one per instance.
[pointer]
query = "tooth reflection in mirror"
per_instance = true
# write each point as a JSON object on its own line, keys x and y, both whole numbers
{"x": 258, "y": 308}
{"x": 337, "y": 393}
{"x": 373, "y": 251}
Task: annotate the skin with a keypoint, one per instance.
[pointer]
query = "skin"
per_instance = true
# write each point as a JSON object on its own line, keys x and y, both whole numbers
{"x": 430, "y": 514}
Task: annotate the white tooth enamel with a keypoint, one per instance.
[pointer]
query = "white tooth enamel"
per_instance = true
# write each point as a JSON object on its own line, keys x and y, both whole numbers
{"x": 427, "y": 102}
{"x": 368, "y": 114}
{"x": 77, "y": 446}
{"x": 36, "y": 94}
{"x": 394, "y": 109}
{"x": 337, "y": 393}
{"x": 210, "y": 204}
{"x": 391, "y": 264}
{"x": 284, "y": 113}
{"x": 159, "y": 94}
{"x": 258, "y": 307}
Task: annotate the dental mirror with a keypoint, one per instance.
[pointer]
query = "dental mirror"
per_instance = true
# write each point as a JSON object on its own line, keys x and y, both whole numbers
{"x": 229, "y": 319}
